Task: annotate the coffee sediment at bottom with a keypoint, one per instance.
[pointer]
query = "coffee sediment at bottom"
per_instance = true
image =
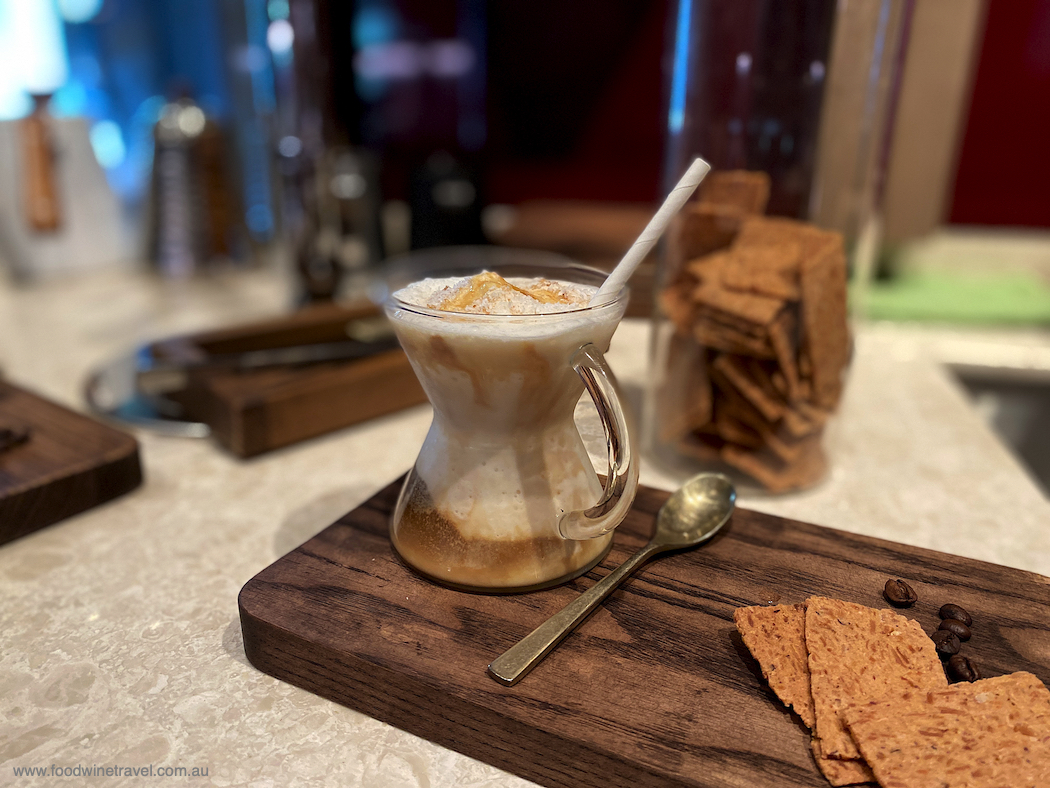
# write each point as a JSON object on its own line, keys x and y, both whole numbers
{"x": 435, "y": 545}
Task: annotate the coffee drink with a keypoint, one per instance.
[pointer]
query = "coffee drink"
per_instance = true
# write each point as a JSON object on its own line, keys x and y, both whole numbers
{"x": 503, "y": 460}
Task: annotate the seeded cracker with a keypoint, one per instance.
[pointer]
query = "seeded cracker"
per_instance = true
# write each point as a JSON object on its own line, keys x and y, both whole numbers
{"x": 858, "y": 654}
{"x": 775, "y": 636}
{"x": 993, "y": 733}
{"x": 839, "y": 773}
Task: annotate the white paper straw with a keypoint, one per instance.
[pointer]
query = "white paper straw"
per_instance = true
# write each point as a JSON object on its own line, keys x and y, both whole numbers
{"x": 652, "y": 232}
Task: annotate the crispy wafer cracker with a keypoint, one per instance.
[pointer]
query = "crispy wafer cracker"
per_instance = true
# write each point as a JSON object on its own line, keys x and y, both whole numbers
{"x": 775, "y": 636}
{"x": 992, "y": 733}
{"x": 838, "y": 773}
{"x": 859, "y": 654}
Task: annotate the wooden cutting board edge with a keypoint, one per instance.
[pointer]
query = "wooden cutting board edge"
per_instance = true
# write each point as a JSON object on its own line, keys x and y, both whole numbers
{"x": 474, "y": 731}
{"x": 75, "y": 487}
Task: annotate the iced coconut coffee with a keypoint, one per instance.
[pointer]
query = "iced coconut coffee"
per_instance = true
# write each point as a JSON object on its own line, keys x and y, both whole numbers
{"x": 503, "y": 463}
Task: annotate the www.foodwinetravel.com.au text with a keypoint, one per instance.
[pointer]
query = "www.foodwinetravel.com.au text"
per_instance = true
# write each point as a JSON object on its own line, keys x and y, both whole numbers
{"x": 112, "y": 770}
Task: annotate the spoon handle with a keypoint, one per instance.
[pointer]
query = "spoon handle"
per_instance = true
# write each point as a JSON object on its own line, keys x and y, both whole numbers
{"x": 514, "y": 663}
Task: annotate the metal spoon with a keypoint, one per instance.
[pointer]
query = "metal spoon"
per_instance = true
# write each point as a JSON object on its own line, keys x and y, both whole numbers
{"x": 692, "y": 515}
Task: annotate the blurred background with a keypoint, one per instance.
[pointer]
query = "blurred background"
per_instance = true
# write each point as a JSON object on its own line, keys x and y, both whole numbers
{"x": 314, "y": 139}
{"x": 324, "y": 136}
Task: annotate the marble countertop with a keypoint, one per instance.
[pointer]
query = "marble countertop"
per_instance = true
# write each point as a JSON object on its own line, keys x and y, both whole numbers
{"x": 119, "y": 630}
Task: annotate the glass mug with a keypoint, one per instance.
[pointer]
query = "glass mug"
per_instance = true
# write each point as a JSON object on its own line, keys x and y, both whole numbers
{"x": 503, "y": 496}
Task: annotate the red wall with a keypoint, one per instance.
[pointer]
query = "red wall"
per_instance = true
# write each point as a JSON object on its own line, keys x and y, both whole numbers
{"x": 1004, "y": 166}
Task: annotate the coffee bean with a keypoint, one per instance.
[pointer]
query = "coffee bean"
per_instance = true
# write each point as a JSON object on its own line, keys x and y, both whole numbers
{"x": 958, "y": 627}
{"x": 947, "y": 643}
{"x": 956, "y": 612}
{"x": 960, "y": 668}
{"x": 899, "y": 594}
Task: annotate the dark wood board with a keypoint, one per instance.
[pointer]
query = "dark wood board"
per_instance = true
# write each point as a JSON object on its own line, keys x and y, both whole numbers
{"x": 252, "y": 412}
{"x": 70, "y": 463}
{"x": 655, "y": 689}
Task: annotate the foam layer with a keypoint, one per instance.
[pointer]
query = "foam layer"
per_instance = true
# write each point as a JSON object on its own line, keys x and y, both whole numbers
{"x": 488, "y": 293}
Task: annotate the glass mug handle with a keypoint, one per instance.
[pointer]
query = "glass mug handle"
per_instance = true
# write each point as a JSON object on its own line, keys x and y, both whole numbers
{"x": 622, "y": 482}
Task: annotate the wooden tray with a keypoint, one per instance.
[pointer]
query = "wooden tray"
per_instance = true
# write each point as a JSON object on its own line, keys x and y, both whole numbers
{"x": 655, "y": 689}
{"x": 252, "y": 412}
{"x": 69, "y": 464}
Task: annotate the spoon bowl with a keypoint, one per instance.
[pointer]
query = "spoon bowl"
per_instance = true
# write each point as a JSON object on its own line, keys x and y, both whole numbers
{"x": 696, "y": 511}
{"x": 693, "y": 514}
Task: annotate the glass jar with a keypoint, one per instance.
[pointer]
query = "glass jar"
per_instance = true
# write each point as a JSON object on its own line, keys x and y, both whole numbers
{"x": 791, "y": 103}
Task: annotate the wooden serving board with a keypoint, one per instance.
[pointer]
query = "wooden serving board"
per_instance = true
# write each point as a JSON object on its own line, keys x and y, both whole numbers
{"x": 252, "y": 412}
{"x": 70, "y": 463}
{"x": 655, "y": 689}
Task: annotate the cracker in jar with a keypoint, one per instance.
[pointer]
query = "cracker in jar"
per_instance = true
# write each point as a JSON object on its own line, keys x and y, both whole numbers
{"x": 685, "y": 394}
{"x": 706, "y": 227}
{"x": 677, "y": 303}
{"x": 798, "y": 423}
{"x": 761, "y": 372}
{"x": 742, "y": 375}
{"x": 730, "y": 399}
{"x": 701, "y": 446}
{"x": 732, "y": 430}
{"x": 746, "y": 190}
{"x": 770, "y": 270}
{"x": 776, "y": 475}
{"x": 707, "y": 270}
{"x": 825, "y": 330}
{"x": 750, "y": 308}
{"x": 782, "y": 341}
{"x": 711, "y": 331}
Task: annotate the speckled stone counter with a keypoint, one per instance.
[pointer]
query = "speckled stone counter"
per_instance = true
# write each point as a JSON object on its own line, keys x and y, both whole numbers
{"x": 119, "y": 631}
